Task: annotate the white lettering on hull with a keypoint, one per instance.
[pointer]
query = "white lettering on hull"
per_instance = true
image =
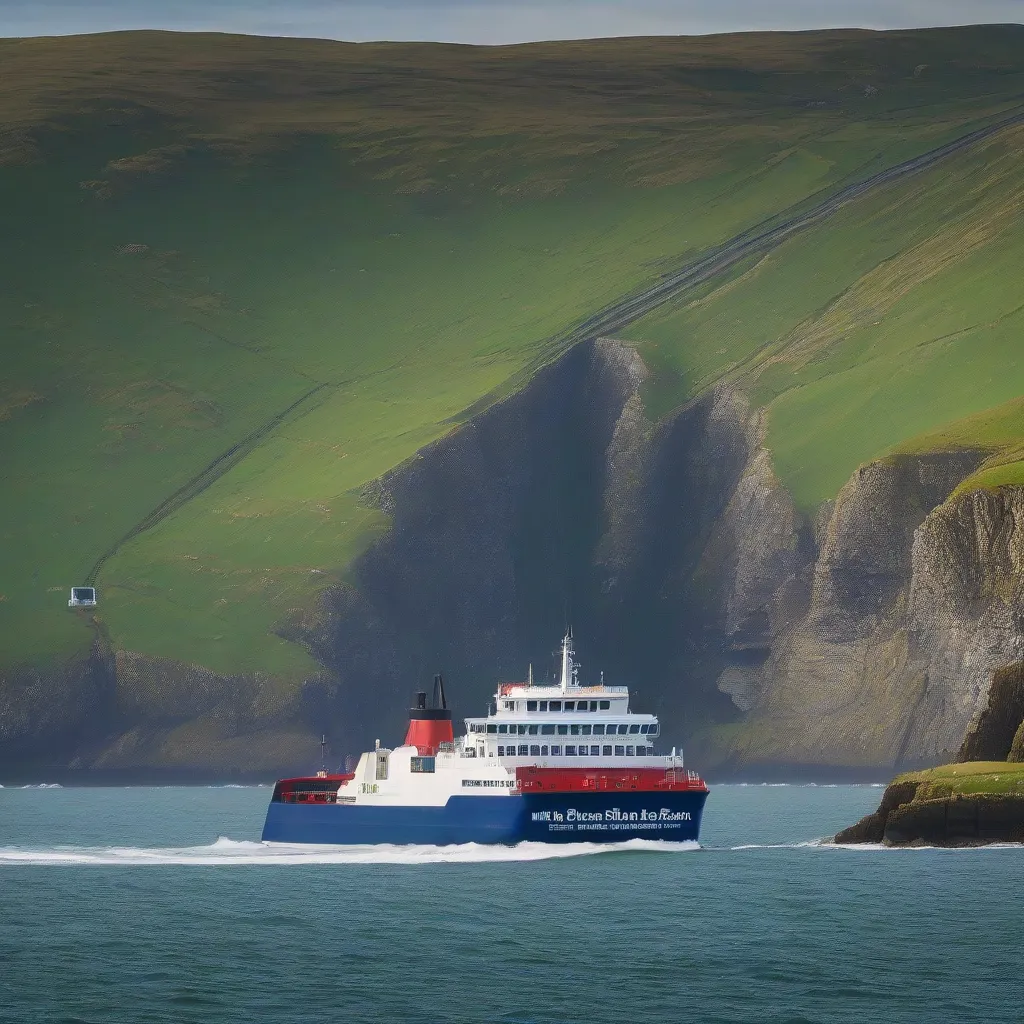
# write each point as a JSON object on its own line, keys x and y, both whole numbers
{"x": 612, "y": 819}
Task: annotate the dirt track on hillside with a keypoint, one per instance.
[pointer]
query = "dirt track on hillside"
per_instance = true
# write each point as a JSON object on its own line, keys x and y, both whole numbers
{"x": 767, "y": 236}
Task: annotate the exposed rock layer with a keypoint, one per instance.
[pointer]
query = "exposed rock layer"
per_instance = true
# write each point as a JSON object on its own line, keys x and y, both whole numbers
{"x": 993, "y": 735}
{"x": 957, "y": 820}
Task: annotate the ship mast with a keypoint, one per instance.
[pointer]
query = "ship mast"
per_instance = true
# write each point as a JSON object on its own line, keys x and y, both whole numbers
{"x": 567, "y": 665}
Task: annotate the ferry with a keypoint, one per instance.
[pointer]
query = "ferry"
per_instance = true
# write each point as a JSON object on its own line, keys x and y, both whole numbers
{"x": 557, "y": 763}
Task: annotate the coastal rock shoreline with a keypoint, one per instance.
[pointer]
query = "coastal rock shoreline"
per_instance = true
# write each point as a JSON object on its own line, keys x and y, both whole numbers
{"x": 910, "y": 815}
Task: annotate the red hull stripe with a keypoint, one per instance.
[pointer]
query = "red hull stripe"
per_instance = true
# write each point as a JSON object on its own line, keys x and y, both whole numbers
{"x": 573, "y": 780}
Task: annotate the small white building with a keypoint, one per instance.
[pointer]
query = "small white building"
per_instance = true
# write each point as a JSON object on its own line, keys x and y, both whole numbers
{"x": 82, "y": 597}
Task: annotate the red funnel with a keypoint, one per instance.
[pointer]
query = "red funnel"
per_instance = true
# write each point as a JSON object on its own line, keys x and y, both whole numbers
{"x": 430, "y": 727}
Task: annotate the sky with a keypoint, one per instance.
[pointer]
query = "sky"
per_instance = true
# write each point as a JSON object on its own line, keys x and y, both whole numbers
{"x": 489, "y": 21}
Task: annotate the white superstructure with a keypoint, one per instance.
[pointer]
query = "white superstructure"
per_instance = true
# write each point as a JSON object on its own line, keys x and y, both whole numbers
{"x": 564, "y": 724}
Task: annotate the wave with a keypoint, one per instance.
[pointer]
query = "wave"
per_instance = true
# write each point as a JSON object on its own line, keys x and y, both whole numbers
{"x": 797, "y": 785}
{"x": 807, "y": 844}
{"x": 42, "y": 785}
{"x": 829, "y": 844}
{"x": 234, "y": 852}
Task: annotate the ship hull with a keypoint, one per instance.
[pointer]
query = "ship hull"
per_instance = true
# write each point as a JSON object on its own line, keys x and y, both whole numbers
{"x": 548, "y": 817}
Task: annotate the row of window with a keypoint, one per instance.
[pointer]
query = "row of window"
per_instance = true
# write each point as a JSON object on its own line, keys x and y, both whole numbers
{"x": 573, "y": 729}
{"x": 558, "y": 705}
{"x": 571, "y": 750}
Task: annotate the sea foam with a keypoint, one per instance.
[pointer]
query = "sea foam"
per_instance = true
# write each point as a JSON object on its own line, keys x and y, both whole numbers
{"x": 234, "y": 852}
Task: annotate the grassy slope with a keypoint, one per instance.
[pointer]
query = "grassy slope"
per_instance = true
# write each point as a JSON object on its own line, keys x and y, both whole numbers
{"x": 999, "y": 777}
{"x": 403, "y": 230}
{"x": 901, "y": 314}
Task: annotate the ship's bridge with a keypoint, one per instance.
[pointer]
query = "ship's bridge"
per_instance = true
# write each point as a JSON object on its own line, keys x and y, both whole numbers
{"x": 561, "y": 721}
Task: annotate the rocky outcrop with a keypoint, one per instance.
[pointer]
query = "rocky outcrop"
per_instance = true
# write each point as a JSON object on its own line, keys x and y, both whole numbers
{"x": 841, "y": 677}
{"x": 966, "y": 609}
{"x": 905, "y": 818}
{"x": 48, "y": 710}
{"x": 871, "y": 828}
{"x": 991, "y": 736}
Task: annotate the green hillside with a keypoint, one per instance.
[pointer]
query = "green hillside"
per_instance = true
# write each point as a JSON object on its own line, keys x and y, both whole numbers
{"x": 245, "y": 277}
{"x": 899, "y": 315}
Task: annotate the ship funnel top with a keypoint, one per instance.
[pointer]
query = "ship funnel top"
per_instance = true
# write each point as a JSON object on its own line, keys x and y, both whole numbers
{"x": 429, "y": 727}
{"x": 439, "y": 701}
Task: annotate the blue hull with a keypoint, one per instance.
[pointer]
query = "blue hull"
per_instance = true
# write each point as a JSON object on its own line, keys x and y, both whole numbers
{"x": 545, "y": 818}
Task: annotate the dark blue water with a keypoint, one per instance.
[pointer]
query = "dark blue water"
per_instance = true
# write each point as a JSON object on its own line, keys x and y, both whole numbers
{"x": 141, "y": 905}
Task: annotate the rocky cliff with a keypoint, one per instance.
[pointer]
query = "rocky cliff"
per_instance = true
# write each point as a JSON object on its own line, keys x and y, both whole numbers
{"x": 954, "y": 805}
{"x": 864, "y": 636}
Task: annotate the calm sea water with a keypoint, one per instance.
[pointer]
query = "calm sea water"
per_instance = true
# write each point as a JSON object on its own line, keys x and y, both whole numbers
{"x": 158, "y": 905}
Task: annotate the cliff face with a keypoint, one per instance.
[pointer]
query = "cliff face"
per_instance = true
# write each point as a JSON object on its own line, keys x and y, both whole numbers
{"x": 561, "y": 503}
{"x": 865, "y": 636}
{"x": 850, "y": 660}
{"x": 914, "y": 603}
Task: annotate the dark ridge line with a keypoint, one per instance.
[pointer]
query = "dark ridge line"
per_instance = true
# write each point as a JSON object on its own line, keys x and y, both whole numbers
{"x": 207, "y": 476}
{"x": 761, "y": 239}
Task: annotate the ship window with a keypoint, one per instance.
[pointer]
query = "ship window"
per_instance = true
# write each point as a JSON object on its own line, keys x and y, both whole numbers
{"x": 422, "y": 764}
{"x": 569, "y": 705}
{"x": 593, "y": 705}
{"x": 581, "y": 705}
{"x": 544, "y": 751}
{"x": 634, "y": 729}
{"x": 644, "y": 729}
{"x": 574, "y": 730}
{"x": 534, "y": 750}
{"x": 563, "y": 730}
{"x": 605, "y": 705}
{"x": 556, "y": 751}
{"x": 555, "y": 705}
{"x": 654, "y": 730}
{"x": 606, "y": 750}
{"x": 531, "y": 705}
{"x": 547, "y": 730}
{"x": 492, "y": 729}
{"x": 503, "y": 729}
{"x": 522, "y": 730}
{"x": 620, "y": 751}
{"x": 629, "y": 751}
{"x": 508, "y": 704}
{"x": 598, "y": 730}
{"x": 595, "y": 750}
{"x": 524, "y": 749}
{"x": 382, "y": 766}
{"x": 533, "y": 730}
{"x": 586, "y": 730}
{"x": 501, "y": 751}
{"x": 570, "y": 751}
{"x": 543, "y": 706}
{"x": 623, "y": 729}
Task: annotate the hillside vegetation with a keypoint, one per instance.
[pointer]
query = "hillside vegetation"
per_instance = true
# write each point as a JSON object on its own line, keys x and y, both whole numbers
{"x": 246, "y": 277}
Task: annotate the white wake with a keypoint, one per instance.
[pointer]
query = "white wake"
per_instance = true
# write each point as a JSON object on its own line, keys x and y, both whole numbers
{"x": 232, "y": 852}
